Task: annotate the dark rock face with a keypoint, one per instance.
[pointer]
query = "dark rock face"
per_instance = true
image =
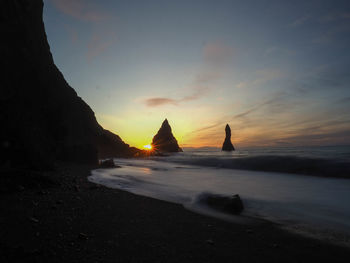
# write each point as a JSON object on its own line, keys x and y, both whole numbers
{"x": 41, "y": 116}
{"x": 164, "y": 140}
{"x": 111, "y": 145}
{"x": 227, "y": 146}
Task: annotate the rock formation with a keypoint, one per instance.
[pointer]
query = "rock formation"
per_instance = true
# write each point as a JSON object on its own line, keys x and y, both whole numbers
{"x": 227, "y": 146}
{"x": 42, "y": 118}
{"x": 227, "y": 204}
{"x": 164, "y": 140}
{"x": 108, "y": 163}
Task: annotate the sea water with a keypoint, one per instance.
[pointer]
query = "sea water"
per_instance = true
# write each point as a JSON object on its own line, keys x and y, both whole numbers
{"x": 291, "y": 186}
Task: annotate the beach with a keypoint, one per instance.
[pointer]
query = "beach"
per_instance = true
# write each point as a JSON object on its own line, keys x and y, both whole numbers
{"x": 132, "y": 132}
{"x": 299, "y": 188}
{"x": 64, "y": 218}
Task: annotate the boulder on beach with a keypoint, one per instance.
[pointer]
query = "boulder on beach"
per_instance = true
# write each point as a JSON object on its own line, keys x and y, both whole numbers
{"x": 227, "y": 145}
{"x": 227, "y": 204}
{"x": 108, "y": 163}
{"x": 164, "y": 140}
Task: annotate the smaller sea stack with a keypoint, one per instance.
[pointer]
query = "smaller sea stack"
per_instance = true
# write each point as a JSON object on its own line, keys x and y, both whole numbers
{"x": 227, "y": 146}
{"x": 164, "y": 140}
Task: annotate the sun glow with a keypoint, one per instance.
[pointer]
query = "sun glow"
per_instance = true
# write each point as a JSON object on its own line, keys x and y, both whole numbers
{"x": 148, "y": 147}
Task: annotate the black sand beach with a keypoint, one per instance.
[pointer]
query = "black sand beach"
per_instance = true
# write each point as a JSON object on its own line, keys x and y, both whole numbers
{"x": 68, "y": 219}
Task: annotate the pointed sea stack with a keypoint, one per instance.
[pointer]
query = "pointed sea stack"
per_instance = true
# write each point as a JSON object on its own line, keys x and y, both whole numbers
{"x": 227, "y": 146}
{"x": 164, "y": 140}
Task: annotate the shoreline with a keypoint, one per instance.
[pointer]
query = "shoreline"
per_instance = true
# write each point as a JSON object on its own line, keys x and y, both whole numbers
{"x": 68, "y": 219}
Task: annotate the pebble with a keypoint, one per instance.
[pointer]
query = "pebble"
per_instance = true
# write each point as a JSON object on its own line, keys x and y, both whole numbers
{"x": 249, "y": 231}
{"x": 33, "y": 219}
{"x": 210, "y": 241}
{"x": 83, "y": 236}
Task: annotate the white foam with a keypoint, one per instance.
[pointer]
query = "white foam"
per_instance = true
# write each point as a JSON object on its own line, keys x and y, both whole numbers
{"x": 283, "y": 198}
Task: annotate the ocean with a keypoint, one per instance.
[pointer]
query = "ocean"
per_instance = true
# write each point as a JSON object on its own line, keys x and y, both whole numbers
{"x": 299, "y": 187}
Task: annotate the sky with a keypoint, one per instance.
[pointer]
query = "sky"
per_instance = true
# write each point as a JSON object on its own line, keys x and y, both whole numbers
{"x": 278, "y": 72}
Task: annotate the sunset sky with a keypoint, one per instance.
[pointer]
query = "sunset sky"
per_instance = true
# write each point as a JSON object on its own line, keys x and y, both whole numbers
{"x": 277, "y": 71}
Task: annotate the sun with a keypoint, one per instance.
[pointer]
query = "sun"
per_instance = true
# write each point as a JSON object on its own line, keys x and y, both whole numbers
{"x": 148, "y": 147}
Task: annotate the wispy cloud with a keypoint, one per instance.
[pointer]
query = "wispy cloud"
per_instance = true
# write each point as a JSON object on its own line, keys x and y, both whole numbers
{"x": 270, "y": 102}
{"x": 332, "y": 34}
{"x": 102, "y": 36}
{"x": 325, "y": 76}
{"x": 81, "y": 10}
{"x": 334, "y": 16}
{"x": 277, "y": 121}
{"x": 215, "y": 56}
{"x": 320, "y": 138}
{"x": 154, "y": 102}
{"x": 99, "y": 42}
{"x": 160, "y": 101}
{"x": 261, "y": 77}
{"x": 300, "y": 21}
{"x": 344, "y": 100}
{"x": 207, "y": 77}
{"x": 279, "y": 51}
{"x": 345, "y": 15}
{"x": 200, "y": 87}
{"x": 217, "y": 53}
{"x": 241, "y": 115}
{"x": 73, "y": 34}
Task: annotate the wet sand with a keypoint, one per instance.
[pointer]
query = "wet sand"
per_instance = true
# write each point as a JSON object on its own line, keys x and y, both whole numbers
{"x": 64, "y": 218}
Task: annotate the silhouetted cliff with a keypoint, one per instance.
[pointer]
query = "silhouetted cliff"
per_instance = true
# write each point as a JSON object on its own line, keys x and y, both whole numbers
{"x": 227, "y": 145}
{"x": 42, "y": 118}
{"x": 164, "y": 140}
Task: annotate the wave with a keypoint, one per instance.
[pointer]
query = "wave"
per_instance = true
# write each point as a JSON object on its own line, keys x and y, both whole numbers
{"x": 283, "y": 198}
{"x": 282, "y": 164}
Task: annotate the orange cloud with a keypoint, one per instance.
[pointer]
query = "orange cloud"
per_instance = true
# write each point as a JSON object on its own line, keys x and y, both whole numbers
{"x": 154, "y": 102}
{"x": 198, "y": 92}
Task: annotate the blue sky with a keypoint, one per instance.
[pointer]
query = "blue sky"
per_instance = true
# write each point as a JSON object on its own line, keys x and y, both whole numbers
{"x": 277, "y": 71}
